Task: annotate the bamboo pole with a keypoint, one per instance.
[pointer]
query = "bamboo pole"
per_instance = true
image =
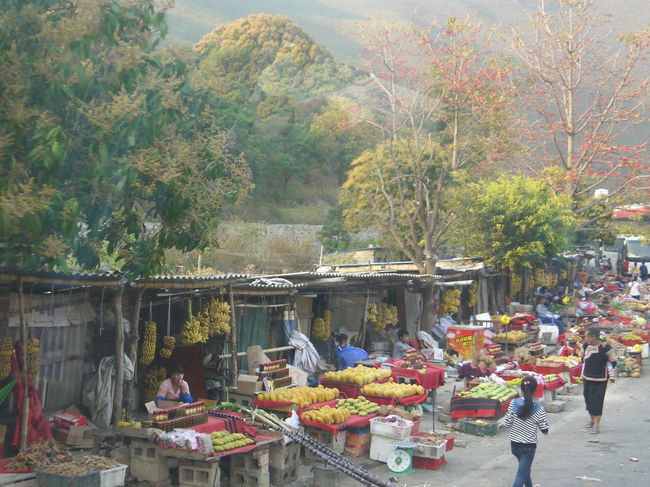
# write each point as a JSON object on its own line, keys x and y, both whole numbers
{"x": 135, "y": 330}
{"x": 233, "y": 338}
{"x": 119, "y": 355}
{"x": 24, "y": 413}
{"x": 268, "y": 350}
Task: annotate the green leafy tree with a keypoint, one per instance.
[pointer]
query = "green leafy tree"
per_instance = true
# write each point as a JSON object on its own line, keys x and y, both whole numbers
{"x": 334, "y": 235}
{"x": 512, "y": 221}
{"x": 102, "y": 139}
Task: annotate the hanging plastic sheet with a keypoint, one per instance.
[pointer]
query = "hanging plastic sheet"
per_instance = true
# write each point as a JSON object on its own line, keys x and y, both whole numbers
{"x": 306, "y": 355}
{"x": 98, "y": 391}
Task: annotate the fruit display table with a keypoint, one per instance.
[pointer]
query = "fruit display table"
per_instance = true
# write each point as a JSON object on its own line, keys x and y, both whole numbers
{"x": 488, "y": 400}
{"x": 432, "y": 378}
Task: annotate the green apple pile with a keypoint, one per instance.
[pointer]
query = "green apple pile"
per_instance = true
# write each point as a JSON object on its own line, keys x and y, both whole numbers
{"x": 360, "y": 406}
{"x": 223, "y": 440}
{"x": 550, "y": 377}
{"x": 490, "y": 390}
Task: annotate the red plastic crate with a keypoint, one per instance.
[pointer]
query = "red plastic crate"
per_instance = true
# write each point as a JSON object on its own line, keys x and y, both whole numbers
{"x": 65, "y": 419}
{"x": 450, "y": 443}
{"x": 428, "y": 463}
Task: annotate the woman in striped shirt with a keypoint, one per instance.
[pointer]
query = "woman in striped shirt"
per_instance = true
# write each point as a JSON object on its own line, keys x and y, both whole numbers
{"x": 525, "y": 416}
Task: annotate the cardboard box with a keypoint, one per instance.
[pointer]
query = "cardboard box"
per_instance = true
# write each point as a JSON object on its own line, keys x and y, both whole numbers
{"x": 78, "y": 436}
{"x": 248, "y": 384}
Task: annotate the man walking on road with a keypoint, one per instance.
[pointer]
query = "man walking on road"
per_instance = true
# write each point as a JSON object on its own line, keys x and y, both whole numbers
{"x": 643, "y": 272}
{"x": 596, "y": 355}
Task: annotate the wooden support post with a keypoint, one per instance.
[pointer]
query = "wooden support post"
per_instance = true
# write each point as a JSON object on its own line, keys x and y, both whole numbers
{"x": 24, "y": 413}
{"x": 135, "y": 330}
{"x": 233, "y": 338}
{"x": 119, "y": 354}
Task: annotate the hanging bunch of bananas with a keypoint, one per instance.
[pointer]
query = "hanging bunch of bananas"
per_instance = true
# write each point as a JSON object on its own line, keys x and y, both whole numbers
{"x": 450, "y": 301}
{"x": 6, "y": 353}
{"x": 382, "y": 315}
{"x": 33, "y": 347}
{"x": 192, "y": 331}
{"x": 219, "y": 313}
{"x": 148, "y": 343}
{"x": 515, "y": 283}
{"x": 168, "y": 346}
{"x": 320, "y": 330}
{"x": 152, "y": 379}
{"x": 473, "y": 294}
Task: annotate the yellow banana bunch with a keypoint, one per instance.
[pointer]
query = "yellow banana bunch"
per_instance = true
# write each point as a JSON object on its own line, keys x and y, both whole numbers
{"x": 6, "y": 353}
{"x": 32, "y": 356}
{"x": 515, "y": 284}
{"x": 191, "y": 332}
{"x": 450, "y": 301}
{"x": 381, "y": 315}
{"x": 319, "y": 329}
{"x": 148, "y": 343}
{"x": 473, "y": 294}
{"x": 219, "y": 312}
{"x": 168, "y": 346}
{"x": 327, "y": 415}
{"x": 152, "y": 379}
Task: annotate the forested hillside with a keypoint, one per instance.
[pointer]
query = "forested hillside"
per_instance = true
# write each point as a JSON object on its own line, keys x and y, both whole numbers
{"x": 277, "y": 91}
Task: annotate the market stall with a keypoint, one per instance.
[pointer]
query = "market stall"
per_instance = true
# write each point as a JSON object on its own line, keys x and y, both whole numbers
{"x": 487, "y": 400}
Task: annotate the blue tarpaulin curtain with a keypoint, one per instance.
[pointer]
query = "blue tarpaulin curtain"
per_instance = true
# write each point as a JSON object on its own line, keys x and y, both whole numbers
{"x": 252, "y": 329}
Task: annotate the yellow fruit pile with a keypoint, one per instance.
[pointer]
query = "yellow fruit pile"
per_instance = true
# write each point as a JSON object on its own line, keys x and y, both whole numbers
{"x": 168, "y": 346}
{"x": 514, "y": 382}
{"x": 303, "y": 396}
{"x": 193, "y": 332}
{"x": 512, "y": 336}
{"x": 358, "y": 375}
{"x": 32, "y": 356}
{"x": 382, "y": 315}
{"x": 148, "y": 343}
{"x": 6, "y": 353}
{"x": 321, "y": 328}
{"x": 152, "y": 379}
{"x": 450, "y": 301}
{"x": 224, "y": 441}
{"x": 392, "y": 389}
{"x": 327, "y": 415}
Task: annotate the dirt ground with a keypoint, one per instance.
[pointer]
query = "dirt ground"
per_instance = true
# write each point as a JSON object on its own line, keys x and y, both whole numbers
{"x": 567, "y": 453}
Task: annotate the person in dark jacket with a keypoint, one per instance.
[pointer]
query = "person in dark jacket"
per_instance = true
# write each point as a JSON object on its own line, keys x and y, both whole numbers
{"x": 596, "y": 355}
{"x": 347, "y": 354}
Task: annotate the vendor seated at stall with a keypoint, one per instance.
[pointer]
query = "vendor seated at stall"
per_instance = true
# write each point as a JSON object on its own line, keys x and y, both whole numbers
{"x": 402, "y": 345}
{"x": 348, "y": 354}
{"x": 543, "y": 312}
{"x": 174, "y": 388}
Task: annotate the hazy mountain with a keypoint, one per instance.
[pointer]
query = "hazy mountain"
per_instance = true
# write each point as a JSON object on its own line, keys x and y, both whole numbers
{"x": 333, "y": 23}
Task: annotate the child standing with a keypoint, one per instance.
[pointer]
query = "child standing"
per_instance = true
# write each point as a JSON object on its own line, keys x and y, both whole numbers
{"x": 525, "y": 416}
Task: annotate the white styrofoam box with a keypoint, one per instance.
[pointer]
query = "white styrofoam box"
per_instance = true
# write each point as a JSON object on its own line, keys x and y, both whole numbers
{"x": 380, "y": 427}
{"x": 429, "y": 451}
{"x": 113, "y": 477}
{"x": 548, "y": 334}
{"x": 381, "y": 447}
{"x": 644, "y": 350}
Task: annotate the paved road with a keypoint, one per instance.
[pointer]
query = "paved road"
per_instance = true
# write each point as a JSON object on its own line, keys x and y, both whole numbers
{"x": 568, "y": 452}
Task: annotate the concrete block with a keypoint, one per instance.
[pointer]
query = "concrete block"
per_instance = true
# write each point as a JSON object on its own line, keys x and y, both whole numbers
{"x": 198, "y": 474}
{"x": 283, "y": 477}
{"x": 554, "y": 406}
{"x": 146, "y": 462}
{"x": 249, "y": 478}
{"x": 283, "y": 457}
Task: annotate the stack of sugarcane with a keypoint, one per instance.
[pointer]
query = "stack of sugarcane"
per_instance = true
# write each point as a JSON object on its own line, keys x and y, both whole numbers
{"x": 361, "y": 475}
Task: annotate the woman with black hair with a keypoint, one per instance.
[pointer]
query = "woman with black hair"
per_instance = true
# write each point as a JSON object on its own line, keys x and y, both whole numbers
{"x": 174, "y": 388}
{"x": 525, "y": 416}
